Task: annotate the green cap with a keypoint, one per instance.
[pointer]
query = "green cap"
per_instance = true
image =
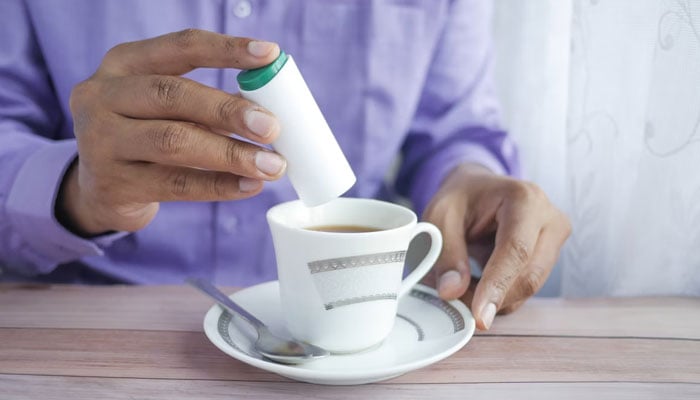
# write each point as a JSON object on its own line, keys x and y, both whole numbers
{"x": 256, "y": 78}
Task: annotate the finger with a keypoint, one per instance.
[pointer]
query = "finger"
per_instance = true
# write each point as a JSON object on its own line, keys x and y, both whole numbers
{"x": 539, "y": 268}
{"x": 519, "y": 226}
{"x": 156, "y": 183}
{"x": 182, "y": 144}
{"x": 171, "y": 97}
{"x": 180, "y": 52}
{"x": 452, "y": 267}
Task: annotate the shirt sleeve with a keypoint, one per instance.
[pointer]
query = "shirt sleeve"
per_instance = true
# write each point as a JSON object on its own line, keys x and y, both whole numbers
{"x": 457, "y": 120}
{"x": 32, "y": 165}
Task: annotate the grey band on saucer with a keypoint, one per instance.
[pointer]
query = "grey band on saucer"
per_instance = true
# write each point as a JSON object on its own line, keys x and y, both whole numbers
{"x": 452, "y": 313}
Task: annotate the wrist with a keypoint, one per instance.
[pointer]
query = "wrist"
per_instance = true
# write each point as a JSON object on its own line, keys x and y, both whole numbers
{"x": 69, "y": 210}
{"x": 472, "y": 168}
{"x": 465, "y": 172}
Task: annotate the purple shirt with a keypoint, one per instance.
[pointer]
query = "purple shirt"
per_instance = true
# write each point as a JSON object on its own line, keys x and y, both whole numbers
{"x": 408, "y": 78}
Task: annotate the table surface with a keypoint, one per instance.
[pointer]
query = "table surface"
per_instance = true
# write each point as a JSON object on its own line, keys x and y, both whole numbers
{"x": 116, "y": 342}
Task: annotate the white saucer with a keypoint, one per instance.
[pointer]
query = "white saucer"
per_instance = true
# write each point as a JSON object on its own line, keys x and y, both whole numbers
{"x": 427, "y": 330}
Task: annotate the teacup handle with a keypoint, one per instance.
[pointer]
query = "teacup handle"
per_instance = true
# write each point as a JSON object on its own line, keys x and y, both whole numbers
{"x": 427, "y": 263}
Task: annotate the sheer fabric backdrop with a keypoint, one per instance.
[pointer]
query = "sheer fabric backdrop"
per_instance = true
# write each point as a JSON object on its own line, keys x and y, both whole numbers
{"x": 603, "y": 97}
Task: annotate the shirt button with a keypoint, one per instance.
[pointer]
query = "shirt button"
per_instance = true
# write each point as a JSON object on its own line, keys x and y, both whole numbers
{"x": 230, "y": 224}
{"x": 242, "y": 9}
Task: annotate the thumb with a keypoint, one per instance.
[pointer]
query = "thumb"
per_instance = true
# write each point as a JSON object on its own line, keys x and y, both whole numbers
{"x": 452, "y": 267}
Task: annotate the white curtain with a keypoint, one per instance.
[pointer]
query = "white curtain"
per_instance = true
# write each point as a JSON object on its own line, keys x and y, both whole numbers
{"x": 603, "y": 97}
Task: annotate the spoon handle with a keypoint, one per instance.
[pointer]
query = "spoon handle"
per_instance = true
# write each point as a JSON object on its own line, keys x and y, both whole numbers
{"x": 224, "y": 301}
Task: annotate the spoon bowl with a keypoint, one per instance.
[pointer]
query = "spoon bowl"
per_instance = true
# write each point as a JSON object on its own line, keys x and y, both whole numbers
{"x": 269, "y": 345}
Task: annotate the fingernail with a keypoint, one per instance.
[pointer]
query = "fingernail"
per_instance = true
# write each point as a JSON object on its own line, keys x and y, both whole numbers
{"x": 449, "y": 280}
{"x": 259, "y": 48}
{"x": 269, "y": 163}
{"x": 487, "y": 315}
{"x": 248, "y": 185}
{"x": 260, "y": 123}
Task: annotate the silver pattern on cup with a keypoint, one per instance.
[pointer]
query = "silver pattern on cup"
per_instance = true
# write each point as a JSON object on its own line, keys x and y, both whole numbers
{"x": 338, "y": 287}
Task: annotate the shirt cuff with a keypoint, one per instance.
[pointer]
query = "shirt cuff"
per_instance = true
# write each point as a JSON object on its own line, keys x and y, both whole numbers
{"x": 434, "y": 171}
{"x": 30, "y": 208}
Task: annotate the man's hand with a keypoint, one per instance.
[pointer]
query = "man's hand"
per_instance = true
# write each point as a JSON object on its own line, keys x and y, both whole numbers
{"x": 508, "y": 225}
{"x": 145, "y": 134}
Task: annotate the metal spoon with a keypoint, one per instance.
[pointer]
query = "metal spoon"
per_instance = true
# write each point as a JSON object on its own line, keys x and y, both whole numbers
{"x": 285, "y": 351}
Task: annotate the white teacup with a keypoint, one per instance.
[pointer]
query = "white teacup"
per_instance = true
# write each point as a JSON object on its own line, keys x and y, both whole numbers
{"x": 340, "y": 290}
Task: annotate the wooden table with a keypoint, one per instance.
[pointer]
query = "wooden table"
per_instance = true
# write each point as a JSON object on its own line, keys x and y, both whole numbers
{"x": 119, "y": 342}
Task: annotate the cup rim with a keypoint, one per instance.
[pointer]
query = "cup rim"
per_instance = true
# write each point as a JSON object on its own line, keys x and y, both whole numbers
{"x": 273, "y": 216}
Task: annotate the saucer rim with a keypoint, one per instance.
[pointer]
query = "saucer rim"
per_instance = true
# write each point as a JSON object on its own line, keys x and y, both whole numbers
{"x": 336, "y": 376}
